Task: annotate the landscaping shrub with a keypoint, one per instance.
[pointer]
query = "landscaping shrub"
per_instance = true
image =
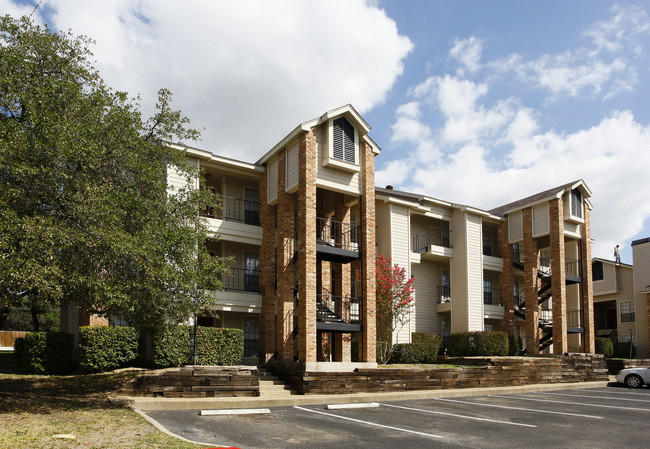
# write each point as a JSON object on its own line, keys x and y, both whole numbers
{"x": 478, "y": 344}
{"x": 605, "y": 346}
{"x": 515, "y": 344}
{"x": 59, "y": 347}
{"x": 173, "y": 345}
{"x": 106, "y": 348}
{"x": 383, "y": 350}
{"x": 219, "y": 346}
{"x": 622, "y": 350}
{"x": 31, "y": 352}
{"x": 423, "y": 349}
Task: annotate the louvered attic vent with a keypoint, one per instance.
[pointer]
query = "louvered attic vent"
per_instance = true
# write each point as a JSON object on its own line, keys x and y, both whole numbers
{"x": 343, "y": 140}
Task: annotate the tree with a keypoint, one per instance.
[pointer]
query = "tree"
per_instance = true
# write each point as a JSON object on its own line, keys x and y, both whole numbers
{"x": 394, "y": 297}
{"x": 85, "y": 213}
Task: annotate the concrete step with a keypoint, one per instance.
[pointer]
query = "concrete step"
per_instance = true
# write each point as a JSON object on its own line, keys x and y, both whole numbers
{"x": 273, "y": 387}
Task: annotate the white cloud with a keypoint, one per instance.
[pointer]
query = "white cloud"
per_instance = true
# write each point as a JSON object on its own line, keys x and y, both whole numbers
{"x": 468, "y": 53}
{"x": 624, "y": 28}
{"x": 246, "y": 71}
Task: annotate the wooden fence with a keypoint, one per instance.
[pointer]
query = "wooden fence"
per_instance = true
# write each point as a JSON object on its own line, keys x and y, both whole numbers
{"x": 7, "y": 337}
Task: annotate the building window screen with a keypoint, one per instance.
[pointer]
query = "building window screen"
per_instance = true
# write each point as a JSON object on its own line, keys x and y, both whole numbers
{"x": 576, "y": 203}
{"x": 597, "y": 271}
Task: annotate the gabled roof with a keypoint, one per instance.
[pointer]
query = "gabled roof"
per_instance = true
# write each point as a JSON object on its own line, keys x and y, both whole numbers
{"x": 611, "y": 262}
{"x": 348, "y": 111}
{"x": 555, "y": 192}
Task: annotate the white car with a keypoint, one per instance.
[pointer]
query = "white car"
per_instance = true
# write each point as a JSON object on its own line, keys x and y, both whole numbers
{"x": 634, "y": 377}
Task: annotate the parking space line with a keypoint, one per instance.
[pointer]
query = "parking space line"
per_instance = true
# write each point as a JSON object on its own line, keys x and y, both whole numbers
{"x": 569, "y": 403}
{"x": 458, "y": 416}
{"x": 636, "y": 393}
{"x": 595, "y": 397}
{"x": 520, "y": 408}
{"x": 430, "y": 435}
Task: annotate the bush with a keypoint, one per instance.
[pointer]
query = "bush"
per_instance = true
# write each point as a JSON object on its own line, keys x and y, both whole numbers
{"x": 106, "y": 348}
{"x": 622, "y": 350}
{"x": 478, "y": 344}
{"x": 59, "y": 347}
{"x": 173, "y": 346}
{"x": 515, "y": 345}
{"x": 605, "y": 347}
{"x": 31, "y": 352}
{"x": 423, "y": 349}
{"x": 45, "y": 352}
{"x": 219, "y": 346}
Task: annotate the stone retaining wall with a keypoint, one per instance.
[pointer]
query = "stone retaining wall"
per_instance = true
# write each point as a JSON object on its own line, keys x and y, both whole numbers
{"x": 196, "y": 382}
{"x": 481, "y": 372}
{"x": 615, "y": 365}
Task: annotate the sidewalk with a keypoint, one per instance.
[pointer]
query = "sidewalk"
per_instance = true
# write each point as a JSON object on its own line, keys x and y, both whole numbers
{"x": 147, "y": 403}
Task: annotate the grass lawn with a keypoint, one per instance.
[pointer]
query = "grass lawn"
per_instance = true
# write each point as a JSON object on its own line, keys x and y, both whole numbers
{"x": 35, "y": 408}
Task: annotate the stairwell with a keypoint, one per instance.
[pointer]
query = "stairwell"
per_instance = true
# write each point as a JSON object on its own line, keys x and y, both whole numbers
{"x": 272, "y": 387}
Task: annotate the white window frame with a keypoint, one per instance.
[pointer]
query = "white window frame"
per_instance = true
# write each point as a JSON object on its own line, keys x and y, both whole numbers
{"x": 332, "y": 161}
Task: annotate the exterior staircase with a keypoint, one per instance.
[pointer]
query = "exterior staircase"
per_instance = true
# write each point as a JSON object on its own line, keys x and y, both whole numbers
{"x": 271, "y": 386}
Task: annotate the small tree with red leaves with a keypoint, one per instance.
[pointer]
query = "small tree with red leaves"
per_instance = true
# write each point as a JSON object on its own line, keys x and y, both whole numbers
{"x": 394, "y": 298}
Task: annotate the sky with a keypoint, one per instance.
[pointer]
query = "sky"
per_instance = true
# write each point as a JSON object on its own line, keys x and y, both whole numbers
{"x": 472, "y": 102}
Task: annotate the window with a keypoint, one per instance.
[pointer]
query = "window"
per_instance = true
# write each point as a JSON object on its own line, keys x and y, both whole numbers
{"x": 576, "y": 203}
{"x": 627, "y": 311}
{"x": 487, "y": 290}
{"x": 597, "y": 270}
{"x": 251, "y": 206}
{"x": 251, "y": 336}
{"x": 343, "y": 145}
{"x": 487, "y": 243}
{"x": 251, "y": 272}
{"x": 487, "y": 327}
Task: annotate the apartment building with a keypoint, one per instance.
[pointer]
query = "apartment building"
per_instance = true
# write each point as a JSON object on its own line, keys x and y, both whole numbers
{"x": 303, "y": 226}
{"x": 622, "y": 298}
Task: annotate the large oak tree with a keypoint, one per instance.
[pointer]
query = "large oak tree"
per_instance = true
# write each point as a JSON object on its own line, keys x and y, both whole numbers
{"x": 86, "y": 215}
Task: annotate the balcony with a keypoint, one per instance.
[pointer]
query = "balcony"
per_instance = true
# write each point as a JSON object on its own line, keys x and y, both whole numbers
{"x": 433, "y": 244}
{"x": 491, "y": 248}
{"x": 572, "y": 269}
{"x": 492, "y": 296}
{"x": 444, "y": 294}
{"x": 337, "y": 241}
{"x": 338, "y": 313}
{"x": 242, "y": 280}
{"x": 235, "y": 209}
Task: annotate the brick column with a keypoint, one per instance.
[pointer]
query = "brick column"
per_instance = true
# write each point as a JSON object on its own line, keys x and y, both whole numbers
{"x": 507, "y": 281}
{"x": 367, "y": 346}
{"x": 530, "y": 285}
{"x": 284, "y": 250}
{"x": 586, "y": 286}
{"x": 558, "y": 276}
{"x": 307, "y": 248}
{"x": 267, "y": 276}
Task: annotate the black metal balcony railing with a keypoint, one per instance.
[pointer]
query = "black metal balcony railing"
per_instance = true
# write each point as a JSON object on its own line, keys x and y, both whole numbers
{"x": 444, "y": 293}
{"x": 433, "y": 236}
{"x": 242, "y": 279}
{"x": 517, "y": 254}
{"x": 334, "y": 308}
{"x": 337, "y": 234}
{"x": 236, "y": 209}
{"x": 491, "y": 248}
{"x": 573, "y": 317}
{"x": 492, "y": 296}
{"x": 519, "y": 300}
{"x": 572, "y": 267}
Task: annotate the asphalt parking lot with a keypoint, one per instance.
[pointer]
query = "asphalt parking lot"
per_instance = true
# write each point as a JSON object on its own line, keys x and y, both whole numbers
{"x": 576, "y": 418}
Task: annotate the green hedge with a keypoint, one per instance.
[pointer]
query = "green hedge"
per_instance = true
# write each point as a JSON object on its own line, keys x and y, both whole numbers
{"x": 45, "y": 352}
{"x": 515, "y": 345}
{"x": 478, "y": 344}
{"x": 622, "y": 350}
{"x": 219, "y": 346}
{"x": 173, "y": 346}
{"x": 423, "y": 349}
{"x": 106, "y": 348}
{"x": 605, "y": 346}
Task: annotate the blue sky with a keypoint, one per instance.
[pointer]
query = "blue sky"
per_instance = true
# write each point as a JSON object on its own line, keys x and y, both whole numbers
{"x": 474, "y": 102}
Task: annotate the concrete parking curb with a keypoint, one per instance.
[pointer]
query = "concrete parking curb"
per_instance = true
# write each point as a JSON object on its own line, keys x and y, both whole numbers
{"x": 146, "y": 403}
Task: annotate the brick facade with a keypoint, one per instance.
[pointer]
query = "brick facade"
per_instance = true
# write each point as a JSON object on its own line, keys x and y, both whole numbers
{"x": 587, "y": 288}
{"x": 530, "y": 284}
{"x": 558, "y": 280}
{"x": 507, "y": 281}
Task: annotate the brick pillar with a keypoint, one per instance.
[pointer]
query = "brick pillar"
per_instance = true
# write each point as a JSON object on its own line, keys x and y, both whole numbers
{"x": 367, "y": 346}
{"x": 284, "y": 250}
{"x": 507, "y": 281}
{"x": 530, "y": 285}
{"x": 267, "y": 276}
{"x": 558, "y": 276}
{"x": 341, "y": 342}
{"x": 586, "y": 286}
{"x": 307, "y": 248}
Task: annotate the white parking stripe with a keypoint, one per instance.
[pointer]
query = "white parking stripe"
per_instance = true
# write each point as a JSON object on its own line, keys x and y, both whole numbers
{"x": 519, "y": 408}
{"x": 569, "y": 403}
{"x": 595, "y": 397}
{"x": 430, "y": 435}
{"x": 636, "y": 393}
{"x": 458, "y": 416}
